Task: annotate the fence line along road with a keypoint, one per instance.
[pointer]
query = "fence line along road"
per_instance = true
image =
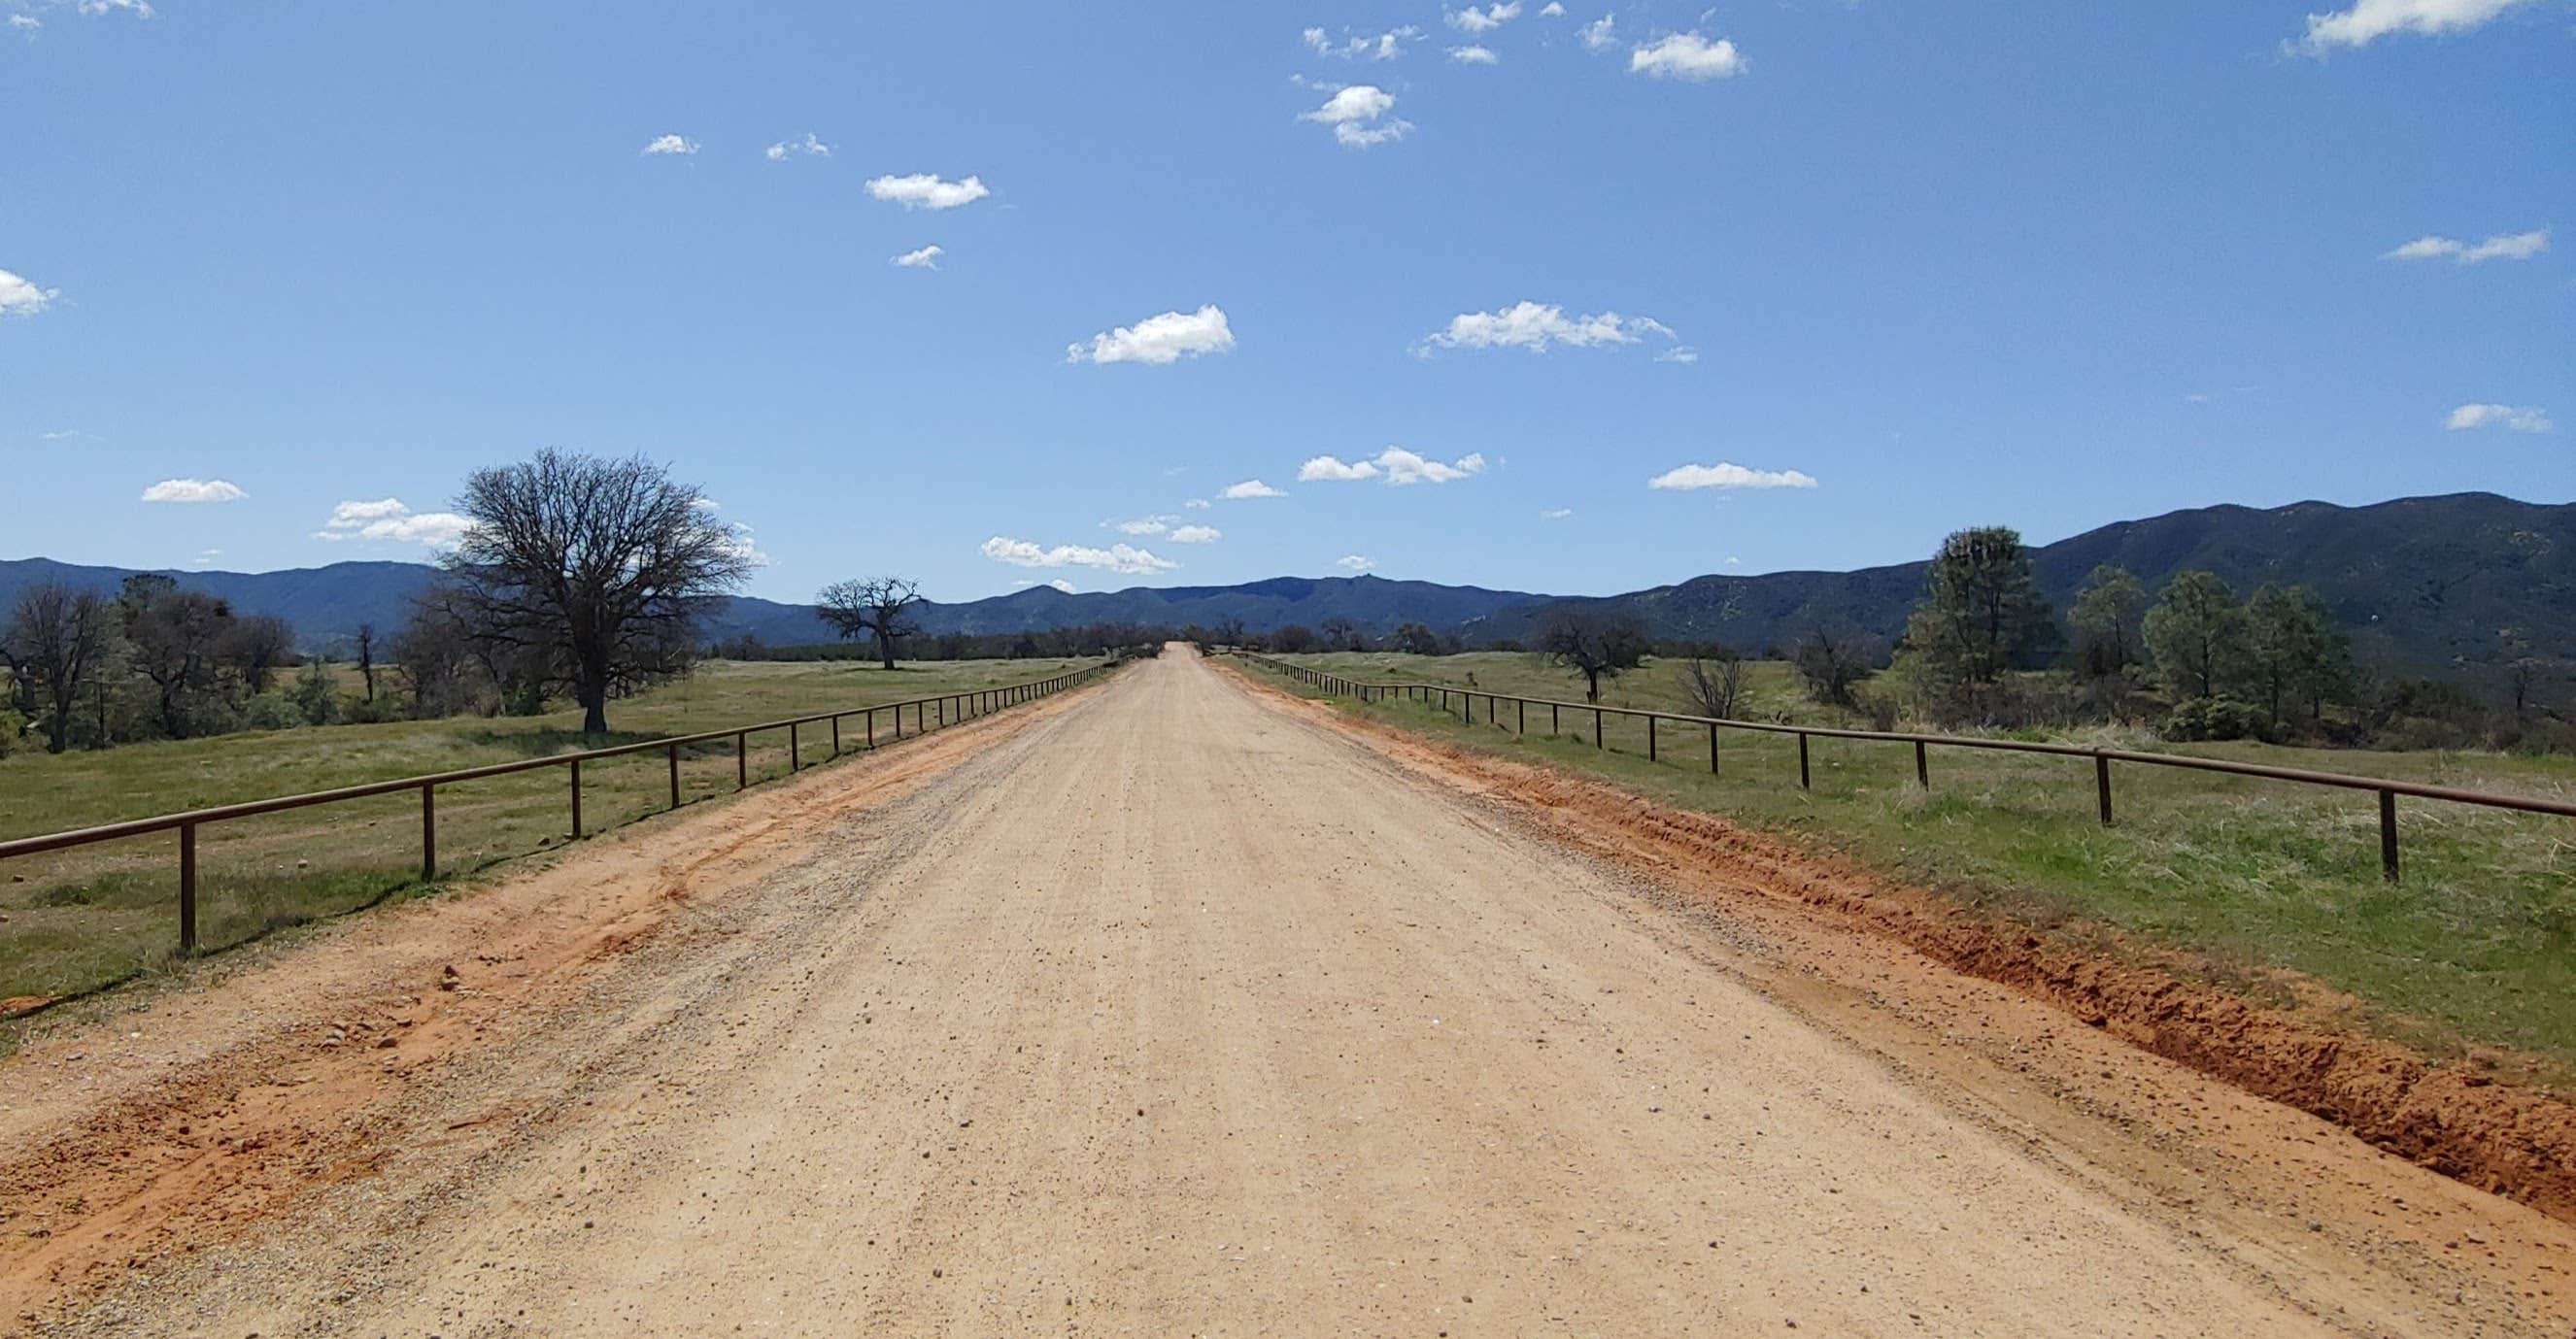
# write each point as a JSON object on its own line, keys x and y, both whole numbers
{"x": 928, "y": 714}
{"x": 1465, "y": 703}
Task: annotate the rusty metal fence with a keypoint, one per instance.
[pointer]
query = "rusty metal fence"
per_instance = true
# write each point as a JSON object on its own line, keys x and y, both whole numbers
{"x": 928, "y": 714}
{"x": 1450, "y": 697}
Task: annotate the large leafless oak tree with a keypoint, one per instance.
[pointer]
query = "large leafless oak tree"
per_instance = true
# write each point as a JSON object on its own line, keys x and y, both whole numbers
{"x": 600, "y": 570}
{"x": 54, "y": 643}
{"x": 878, "y": 607}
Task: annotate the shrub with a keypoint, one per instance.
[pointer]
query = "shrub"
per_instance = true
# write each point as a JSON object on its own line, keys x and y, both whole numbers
{"x": 2211, "y": 718}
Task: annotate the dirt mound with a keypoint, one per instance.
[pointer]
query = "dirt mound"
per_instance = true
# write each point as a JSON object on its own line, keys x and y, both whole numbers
{"x": 2497, "y": 1135}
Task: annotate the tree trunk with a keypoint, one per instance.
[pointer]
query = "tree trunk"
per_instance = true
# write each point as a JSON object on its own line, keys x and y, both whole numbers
{"x": 594, "y": 708}
{"x": 885, "y": 652}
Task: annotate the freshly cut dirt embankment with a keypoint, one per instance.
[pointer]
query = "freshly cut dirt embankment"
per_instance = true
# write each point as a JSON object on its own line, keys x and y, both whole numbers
{"x": 2455, "y": 1119}
{"x": 1166, "y": 1009}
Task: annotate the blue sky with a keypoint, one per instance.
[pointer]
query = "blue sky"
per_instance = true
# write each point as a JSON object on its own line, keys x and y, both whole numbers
{"x": 1842, "y": 276}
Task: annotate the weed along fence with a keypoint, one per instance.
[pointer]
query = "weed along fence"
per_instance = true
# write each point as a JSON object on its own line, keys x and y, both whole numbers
{"x": 857, "y": 728}
{"x": 1465, "y": 702}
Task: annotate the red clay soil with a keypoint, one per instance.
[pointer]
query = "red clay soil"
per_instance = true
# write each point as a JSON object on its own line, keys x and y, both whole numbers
{"x": 2491, "y": 1133}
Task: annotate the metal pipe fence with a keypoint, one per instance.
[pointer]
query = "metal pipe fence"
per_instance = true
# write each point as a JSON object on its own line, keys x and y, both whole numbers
{"x": 950, "y": 709}
{"x": 1462, "y": 700}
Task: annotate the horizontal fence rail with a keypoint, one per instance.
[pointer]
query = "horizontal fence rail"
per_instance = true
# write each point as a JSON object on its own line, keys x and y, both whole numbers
{"x": 1464, "y": 701}
{"x": 928, "y": 714}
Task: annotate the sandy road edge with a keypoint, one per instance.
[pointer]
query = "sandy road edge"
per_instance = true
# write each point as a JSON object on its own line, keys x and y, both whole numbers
{"x": 132, "y": 1134}
{"x": 2499, "y": 1137}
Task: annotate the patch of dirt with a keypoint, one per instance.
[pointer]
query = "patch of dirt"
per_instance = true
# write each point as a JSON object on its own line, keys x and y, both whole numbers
{"x": 137, "y": 1126}
{"x": 2459, "y": 1120}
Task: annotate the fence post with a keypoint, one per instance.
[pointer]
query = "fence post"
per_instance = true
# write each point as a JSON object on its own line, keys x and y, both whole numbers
{"x": 1555, "y": 726}
{"x": 428, "y": 833}
{"x": 187, "y": 887}
{"x": 836, "y": 736}
{"x": 1712, "y": 749}
{"x": 1922, "y": 767}
{"x": 793, "y": 748}
{"x": 2388, "y": 835}
{"x": 675, "y": 776}
{"x": 1650, "y": 739}
{"x": 2102, "y": 785}
{"x": 1597, "y": 741}
{"x": 1802, "y": 761}
{"x": 576, "y": 799}
{"x": 741, "y": 766}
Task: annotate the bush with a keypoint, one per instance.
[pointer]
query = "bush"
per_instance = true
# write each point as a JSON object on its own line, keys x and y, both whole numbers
{"x": 2211, "y": 718}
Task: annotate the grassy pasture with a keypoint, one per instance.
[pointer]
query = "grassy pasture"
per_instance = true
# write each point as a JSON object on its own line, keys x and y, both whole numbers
{"x": 81, "y": 918}
{"x": 2476, "y": 946}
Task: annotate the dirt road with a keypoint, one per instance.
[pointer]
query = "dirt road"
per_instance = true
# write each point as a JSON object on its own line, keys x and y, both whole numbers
{"x": 1174, "y": 1012}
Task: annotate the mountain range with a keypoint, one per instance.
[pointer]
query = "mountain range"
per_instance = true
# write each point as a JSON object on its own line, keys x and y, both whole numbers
{"x": 2449, "y": 585}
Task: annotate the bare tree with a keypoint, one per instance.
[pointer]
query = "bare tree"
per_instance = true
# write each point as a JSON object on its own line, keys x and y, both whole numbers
{"x": 1715, "y": 681}
{"x": 176, "y": 636}
{"x": 256, "y": 646}
{"x": 880, "y": 607}
{"x": 1592, "y": 642}
{"x": 1831, "y": 660}
{"x": 599, "y": 570}
{"x": 367, "y": 657}
{"x": 55, "y": 642}
{"x": 1342, "y": 633}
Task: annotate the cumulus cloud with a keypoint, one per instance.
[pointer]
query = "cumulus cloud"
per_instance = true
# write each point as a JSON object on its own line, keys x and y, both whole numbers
{"x": 1395, "y": 465}
{"x": 680, "y": 145}
{"x": 1474, "y": 20}
{"x": 1601, "y": 34}
{"x": 1358, "y": 116}
{"x": 26, "y": 24}
{"x": 141, "y": 9}
{"x": 19, "y": 296}
{"x": 1142, "y": 525}
{"x": 1352, "y": 562}
{"x": 1727, "y": 474}
{"x": 1556, "y": 513}
{"x": 1159, "y": 339}
{"x": 1196, "y": 504}
{"x": 1196, "y": 534}
{"x": 1686, "y": 56}
{"x": 1125, "y": 558}
{"x": 193, "y": 490}
{"x": 1551, "y": 10}
{"x": 2518, "y": 418}
{"x": 1679, "y": 353}
{"x": 1474, "y": 55}
{"x": 387, "y": 519}
{"x": 1537, "y": 326}
{"x": 1249, "y": 488}
{"x": 2502, "y": 246}
{"x": 928, "y": 190}
{"x": 1381, "y": 46}
{"x": 2369, "y": 20}
{"x": 927, "y": 258}
{"x": 808, "y": 147}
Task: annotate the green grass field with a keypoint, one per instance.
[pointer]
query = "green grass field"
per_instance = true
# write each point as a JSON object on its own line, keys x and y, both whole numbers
{"x": 74, "y": 920}
{"x": 2475, "y": 946}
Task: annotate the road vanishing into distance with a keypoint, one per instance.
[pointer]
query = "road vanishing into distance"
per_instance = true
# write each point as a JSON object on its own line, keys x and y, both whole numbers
{"x": 1172, "y": 1008}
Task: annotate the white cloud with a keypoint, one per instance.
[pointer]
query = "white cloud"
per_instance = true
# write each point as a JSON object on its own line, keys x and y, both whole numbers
{"x": 1383, "y": 46}
{"x": 388, "y": 519}
{"x": 1142, "y": 525}
{"x": 1159, "y": 339}
{"x": 1686, "y": 56}
{"x": 1324, "y": 469}
{"x": 808, "y": 147}
{"x": 26, "y": 23}
{"x": 1394, "y": 464}
{"x": 928, "y": 190}
{"x": 2369, "y": 20}
{"x": 1474, "y": 55}
{"x": 671, "y": 144}
{"x": 2502, "y": 246}
{"x": 1249, "y": 488}
{"x": 1352, "y": 562}
{"x": 1535, "y": 326}
{"x": 927, "y": 258}
{"x": 1551, "y": 10}
{"x": 1474, "y": 20}
{"x": 1196, "y": 534}
{"x": 20, "y": 297}
{"x": 1196, "y": 504}
{"x": 1679, "y": 353}
{"x": 1116, "y": 558}
{"x": 1354, "y": 114}
{"x": 205, "y": 556}
{"x": 1726, "y": 474}
{"x": 1556, "y": 513}
{"x": 193, "y": 490}
{"x": 141, "y": 9}
{"x": 738, "y": 542}
{"x": 1601, "y": 34}
{"x": 1063, "y": 585}
{"x": 2519, "y": 418}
